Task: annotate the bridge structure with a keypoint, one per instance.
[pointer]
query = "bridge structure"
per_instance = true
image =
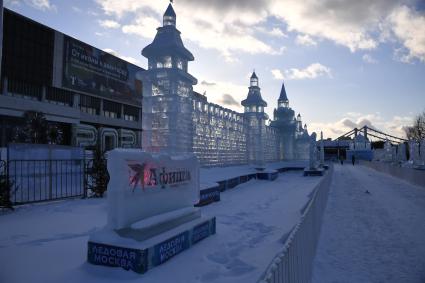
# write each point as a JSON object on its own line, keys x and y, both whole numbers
{"x": 338, "y": 147}
{"x": 368, "y": 131}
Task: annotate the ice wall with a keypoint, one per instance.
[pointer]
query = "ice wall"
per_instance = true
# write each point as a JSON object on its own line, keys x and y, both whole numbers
{"x": 219, "y": 137}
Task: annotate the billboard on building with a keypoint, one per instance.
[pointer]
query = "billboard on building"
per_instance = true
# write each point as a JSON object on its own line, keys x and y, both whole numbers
{"x": 92, "y": 70}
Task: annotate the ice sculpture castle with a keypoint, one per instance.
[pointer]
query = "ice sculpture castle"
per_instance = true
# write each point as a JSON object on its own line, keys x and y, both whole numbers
{"x": 293, "y": 138}
{"x": 178, "y": 120}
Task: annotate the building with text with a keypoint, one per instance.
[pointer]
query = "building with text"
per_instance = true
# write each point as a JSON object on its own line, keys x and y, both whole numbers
{"x": 91, "y": 96}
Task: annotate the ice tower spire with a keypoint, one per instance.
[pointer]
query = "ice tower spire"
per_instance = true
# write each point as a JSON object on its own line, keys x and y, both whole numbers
{"x": 254, "y": 79}
{"x": 254, "y": 102}
{"x": 283, "y": 100}
{"x": 169, "y": 18}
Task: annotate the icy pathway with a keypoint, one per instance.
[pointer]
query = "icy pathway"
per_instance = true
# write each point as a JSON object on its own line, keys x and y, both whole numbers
{"x": 376, "y": 237}
{"x": 48, "y": 242}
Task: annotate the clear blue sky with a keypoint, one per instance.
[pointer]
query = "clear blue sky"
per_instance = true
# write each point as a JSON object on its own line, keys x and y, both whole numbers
{"x": 344, "y": 63}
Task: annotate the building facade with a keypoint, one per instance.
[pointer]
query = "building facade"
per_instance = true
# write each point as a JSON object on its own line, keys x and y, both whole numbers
{"x": 91, "y": 96}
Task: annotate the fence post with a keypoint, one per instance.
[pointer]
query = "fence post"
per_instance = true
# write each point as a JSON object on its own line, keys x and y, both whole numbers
{"x": 84, "y": 175}
{"x": 50, "y": 178}
{"x": 7, "y": 163}
{"x": 6, "y": 172}
{"x": 6, "y": 186}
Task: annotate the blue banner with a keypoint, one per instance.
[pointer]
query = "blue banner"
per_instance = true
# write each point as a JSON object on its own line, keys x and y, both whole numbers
{"x": 200, "y": 232}
{"x": 207, "y": 196}
{"x": 129, "y": 259}
{"x": 171, "y": 247}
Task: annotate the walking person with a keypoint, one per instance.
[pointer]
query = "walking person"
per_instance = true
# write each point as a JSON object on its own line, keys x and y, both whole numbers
{"x": 353, "y": 159}
{"x": 341, "y": 159}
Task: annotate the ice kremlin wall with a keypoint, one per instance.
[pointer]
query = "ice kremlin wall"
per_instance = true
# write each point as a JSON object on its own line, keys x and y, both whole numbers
{"x": 177, "y": 120}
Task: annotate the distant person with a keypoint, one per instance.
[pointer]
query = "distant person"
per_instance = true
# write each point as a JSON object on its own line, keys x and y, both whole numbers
{"x": 341, "y": 159}
{"x": 353, "y": 159}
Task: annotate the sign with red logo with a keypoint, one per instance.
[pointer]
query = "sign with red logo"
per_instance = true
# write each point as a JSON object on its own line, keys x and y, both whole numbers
{"x": 148, "y": 175}
{"x": 143, "y": 185}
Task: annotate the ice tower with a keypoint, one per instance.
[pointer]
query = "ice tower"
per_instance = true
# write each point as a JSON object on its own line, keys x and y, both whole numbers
{"x": 285, "y": 124}
{"x": 302, "y": 140}
{"x": 255, "y": 119}
{"x": 167, "y": 91}
{"x": 293, "y": 137}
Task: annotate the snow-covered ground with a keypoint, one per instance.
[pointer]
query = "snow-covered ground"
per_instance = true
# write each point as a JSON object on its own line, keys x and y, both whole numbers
{"x": 48, "y": 242}
{"x": 371, "y": 237}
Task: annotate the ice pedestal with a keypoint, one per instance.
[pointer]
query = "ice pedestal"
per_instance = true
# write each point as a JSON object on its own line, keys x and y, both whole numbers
{"x": 313, "y": 169}
{"x": 394, "y": 154}
{"x": 414, "y": 160}
{"x": 422, "y": 150}
{"x": 109, "y": 248}
{"x": 412, "y": 144}
{"x": 421, "y": 155}
{"x": 322, "y": 151}
{"x": 151, "y": 217}
{"x": 388, "y": 152}
{"x": 417, "y": 161}
{"x": 401, "y": 153}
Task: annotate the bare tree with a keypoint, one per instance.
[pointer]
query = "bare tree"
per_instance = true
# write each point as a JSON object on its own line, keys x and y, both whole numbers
{"x": 417, "y": 130}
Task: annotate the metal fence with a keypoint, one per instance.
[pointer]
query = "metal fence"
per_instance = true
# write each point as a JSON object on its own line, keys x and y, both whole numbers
{"x": 43, "y": 180}
{"x": 294, "y": 263}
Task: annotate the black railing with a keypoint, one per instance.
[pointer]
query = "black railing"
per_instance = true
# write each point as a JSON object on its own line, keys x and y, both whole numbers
{"x": 24, "y": 88}
{"x": 44, "y": 180}
{"x": 4, "y": 186}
